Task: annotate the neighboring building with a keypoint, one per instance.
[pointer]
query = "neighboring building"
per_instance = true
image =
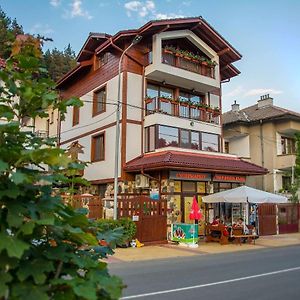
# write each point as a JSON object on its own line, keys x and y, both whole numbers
{"x": 44, "y": 127}
{"x": 171, "y": 131}
{"x": 264, "y": 134}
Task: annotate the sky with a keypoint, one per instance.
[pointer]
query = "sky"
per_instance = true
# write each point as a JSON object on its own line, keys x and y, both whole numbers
{"x": 265, "y": 32}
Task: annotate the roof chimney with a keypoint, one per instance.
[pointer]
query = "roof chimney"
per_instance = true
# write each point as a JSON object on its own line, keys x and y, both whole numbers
{"x": 265, "y": 100}
{"x": 235, "y": 106}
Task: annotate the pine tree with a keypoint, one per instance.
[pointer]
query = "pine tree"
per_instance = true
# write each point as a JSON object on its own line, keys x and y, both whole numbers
{"x": 9, "y": 29}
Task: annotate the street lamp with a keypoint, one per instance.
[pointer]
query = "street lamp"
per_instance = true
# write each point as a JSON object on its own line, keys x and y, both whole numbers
{"x": 136, "y": 40}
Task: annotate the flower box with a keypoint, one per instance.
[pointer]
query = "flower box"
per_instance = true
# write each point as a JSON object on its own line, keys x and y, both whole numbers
{"x": 164, "y": 100}
{"x": 168, "y": 51}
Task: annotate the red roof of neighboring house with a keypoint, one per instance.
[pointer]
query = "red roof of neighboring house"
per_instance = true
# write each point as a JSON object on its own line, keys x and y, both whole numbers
{"x": 195, "y": 161}
{"x": 2, "y": 63}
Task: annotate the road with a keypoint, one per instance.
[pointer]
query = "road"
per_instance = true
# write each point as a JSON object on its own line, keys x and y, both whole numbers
{"x": 272, "y": 273}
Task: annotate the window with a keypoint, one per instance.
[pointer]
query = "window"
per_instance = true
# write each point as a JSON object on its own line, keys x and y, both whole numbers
{"x": 226, "y": 147}
{"x": 99, "y": 101}
{"x": 52, "y": 117}
{"x": 167, "y": 136}
{"x": 98, "y": 148}
{"x": 195, "y": 142}
{"x": 150, "y": 139}
{"x": 184, "y": 138}
{"x": 210, "y": 142}
{"x": 103, "y": 59}
{"x": 286, "y": 182}
{"x": 288, "y": 145}
{"x": 76, "y": 111}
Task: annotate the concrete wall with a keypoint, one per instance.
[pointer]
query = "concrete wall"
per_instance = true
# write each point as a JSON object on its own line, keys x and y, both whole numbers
{"x": 240, "y": 146}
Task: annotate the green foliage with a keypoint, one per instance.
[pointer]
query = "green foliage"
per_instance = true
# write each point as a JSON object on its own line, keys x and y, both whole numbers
{"x": 9, "y": 29}
{"x": 296, "y": 185}
{"x": 126, "y": 224}
{"x": 48, "y": 250}
{"x": 58, "y": 63}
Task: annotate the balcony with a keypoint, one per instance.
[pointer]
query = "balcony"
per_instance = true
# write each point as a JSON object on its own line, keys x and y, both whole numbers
{"x": 199, "y": 112}
{"x": 188, "y": 62}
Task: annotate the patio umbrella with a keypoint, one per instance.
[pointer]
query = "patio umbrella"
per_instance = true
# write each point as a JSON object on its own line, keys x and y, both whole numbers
{"x": 195, "y": 215}
{"x": 244, "y": 194}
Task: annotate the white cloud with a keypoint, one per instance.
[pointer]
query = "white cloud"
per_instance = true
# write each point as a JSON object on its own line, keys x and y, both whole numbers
{"x": 147, "y": 9}
{"x": 160, "y": 16}
{"x": 262, "y": 91}
{"x": 186, "y": 3}
{"x": 41, "y": 29}
{"x": 55, "y": 3}
{"x": 77, "y": 11}
{"x": 235, "y": 92}
{"x": 139, "y": 7}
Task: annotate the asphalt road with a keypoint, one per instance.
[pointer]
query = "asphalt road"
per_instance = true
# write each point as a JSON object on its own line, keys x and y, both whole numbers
{"x": 267, "y": 274}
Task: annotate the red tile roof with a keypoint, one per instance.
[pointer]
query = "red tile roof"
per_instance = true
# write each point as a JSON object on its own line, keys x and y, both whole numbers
{"x": 197, "y": 162}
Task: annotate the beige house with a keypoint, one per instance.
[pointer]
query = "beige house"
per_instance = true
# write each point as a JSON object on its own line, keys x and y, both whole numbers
{"x": 263, "y": 134}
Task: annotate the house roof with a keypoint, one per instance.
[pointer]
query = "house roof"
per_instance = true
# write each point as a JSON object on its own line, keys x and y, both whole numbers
{"x": 194, "y": 161}
{"x": 97, "y": 42}
{"x": 94, "y": 40}
{"x": 2, "y": 63}
{"x": 254, "y": 114}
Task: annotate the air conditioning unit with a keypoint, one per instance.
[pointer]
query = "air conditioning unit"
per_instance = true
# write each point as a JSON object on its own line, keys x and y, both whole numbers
{"x": 141, "y": 181}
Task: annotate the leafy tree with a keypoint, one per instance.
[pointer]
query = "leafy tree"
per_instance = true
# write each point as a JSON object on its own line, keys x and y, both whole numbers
{"x": 296, "y": 184}
{"x": 59, "y": 62}
{"x": 9, "y": 29}
{"x": 48, "y": 250}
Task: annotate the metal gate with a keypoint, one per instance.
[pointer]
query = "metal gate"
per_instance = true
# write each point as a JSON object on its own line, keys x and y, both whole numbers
{"x": 267, "y": 219}
{"x": 150, "y": 216}
{"x": 288, "y": 218}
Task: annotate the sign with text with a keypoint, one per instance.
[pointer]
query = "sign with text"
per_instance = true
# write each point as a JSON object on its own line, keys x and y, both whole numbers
{"x": 229, "y": 178}
{"x": 194, "y": 176}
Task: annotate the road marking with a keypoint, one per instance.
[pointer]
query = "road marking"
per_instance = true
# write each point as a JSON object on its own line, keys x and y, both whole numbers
{"x": 210, "y": 284}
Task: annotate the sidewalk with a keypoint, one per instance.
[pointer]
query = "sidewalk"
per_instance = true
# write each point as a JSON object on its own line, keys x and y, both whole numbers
{"x": 173, "y": 250}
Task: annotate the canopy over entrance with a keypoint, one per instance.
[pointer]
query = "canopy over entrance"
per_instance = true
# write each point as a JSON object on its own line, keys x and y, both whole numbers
{"x": 244, "y": 194}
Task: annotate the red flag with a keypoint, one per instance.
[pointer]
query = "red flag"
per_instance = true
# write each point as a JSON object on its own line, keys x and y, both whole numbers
{"x": 195, "y": 213}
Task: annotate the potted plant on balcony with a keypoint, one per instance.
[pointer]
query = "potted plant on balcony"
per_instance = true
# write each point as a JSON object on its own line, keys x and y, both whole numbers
{"x": 165, "y": 98}
{"x": 148, "y": 99}
{"x": 169, "y": 49}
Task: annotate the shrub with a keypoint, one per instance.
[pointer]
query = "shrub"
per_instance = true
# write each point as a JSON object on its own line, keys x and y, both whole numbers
{"x": 128, "y": 226}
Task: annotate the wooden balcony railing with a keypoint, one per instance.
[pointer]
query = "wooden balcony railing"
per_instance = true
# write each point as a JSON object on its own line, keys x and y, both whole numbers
{"x": 182, "y": 110}
{"x": 188, "y": 64}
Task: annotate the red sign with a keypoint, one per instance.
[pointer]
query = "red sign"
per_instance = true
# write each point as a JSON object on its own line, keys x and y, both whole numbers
{"x": 189, "y": 176}
{"x": 229, "y": 178}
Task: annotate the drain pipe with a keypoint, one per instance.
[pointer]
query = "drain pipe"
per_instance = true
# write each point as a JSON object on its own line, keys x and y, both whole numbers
{"x": 262, "y": 151}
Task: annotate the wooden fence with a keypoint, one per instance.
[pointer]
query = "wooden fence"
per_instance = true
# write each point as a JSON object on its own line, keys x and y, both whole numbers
{"x": 92, "y": 203}
{"x": 150, "y": 216}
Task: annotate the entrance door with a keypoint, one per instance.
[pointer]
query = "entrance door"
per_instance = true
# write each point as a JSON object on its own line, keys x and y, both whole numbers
{"x": 187, "y": 205}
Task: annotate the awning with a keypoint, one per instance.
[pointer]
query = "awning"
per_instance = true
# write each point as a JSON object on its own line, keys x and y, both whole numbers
{"x": 244, "y": 194}
{"x": 226, "y": 164}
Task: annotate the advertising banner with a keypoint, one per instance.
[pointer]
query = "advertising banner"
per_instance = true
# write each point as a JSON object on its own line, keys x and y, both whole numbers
{"x": 184, "y": 233}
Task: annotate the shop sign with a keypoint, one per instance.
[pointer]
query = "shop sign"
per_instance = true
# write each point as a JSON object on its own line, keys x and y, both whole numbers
{"x": 193, "y": 176}
{"x": 135, "y": 218}
{"x": 229, "y": 178}
{"x": 154, "y": 194}
{"x": 184, "y": 233}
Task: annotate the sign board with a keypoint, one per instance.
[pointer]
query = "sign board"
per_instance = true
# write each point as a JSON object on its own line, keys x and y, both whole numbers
{"x": 154, "y": 194}
{"x": 135, "y": 218}
{"x": 184, "y": 233}
{"x": 229, "y": 178}
{"x": 194, "y": 176}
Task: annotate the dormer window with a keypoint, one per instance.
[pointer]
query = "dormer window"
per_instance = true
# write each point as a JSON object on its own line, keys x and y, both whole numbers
{"x": 103, "y": 59}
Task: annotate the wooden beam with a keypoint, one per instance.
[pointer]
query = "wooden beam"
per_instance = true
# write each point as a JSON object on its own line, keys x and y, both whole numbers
{"x": 223, "y": 51}
{"x": 127, "y": 54}
{"x": 194, "y": 27}
{"x": 88, "y": 51}
{"x": 164, "y": 29}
